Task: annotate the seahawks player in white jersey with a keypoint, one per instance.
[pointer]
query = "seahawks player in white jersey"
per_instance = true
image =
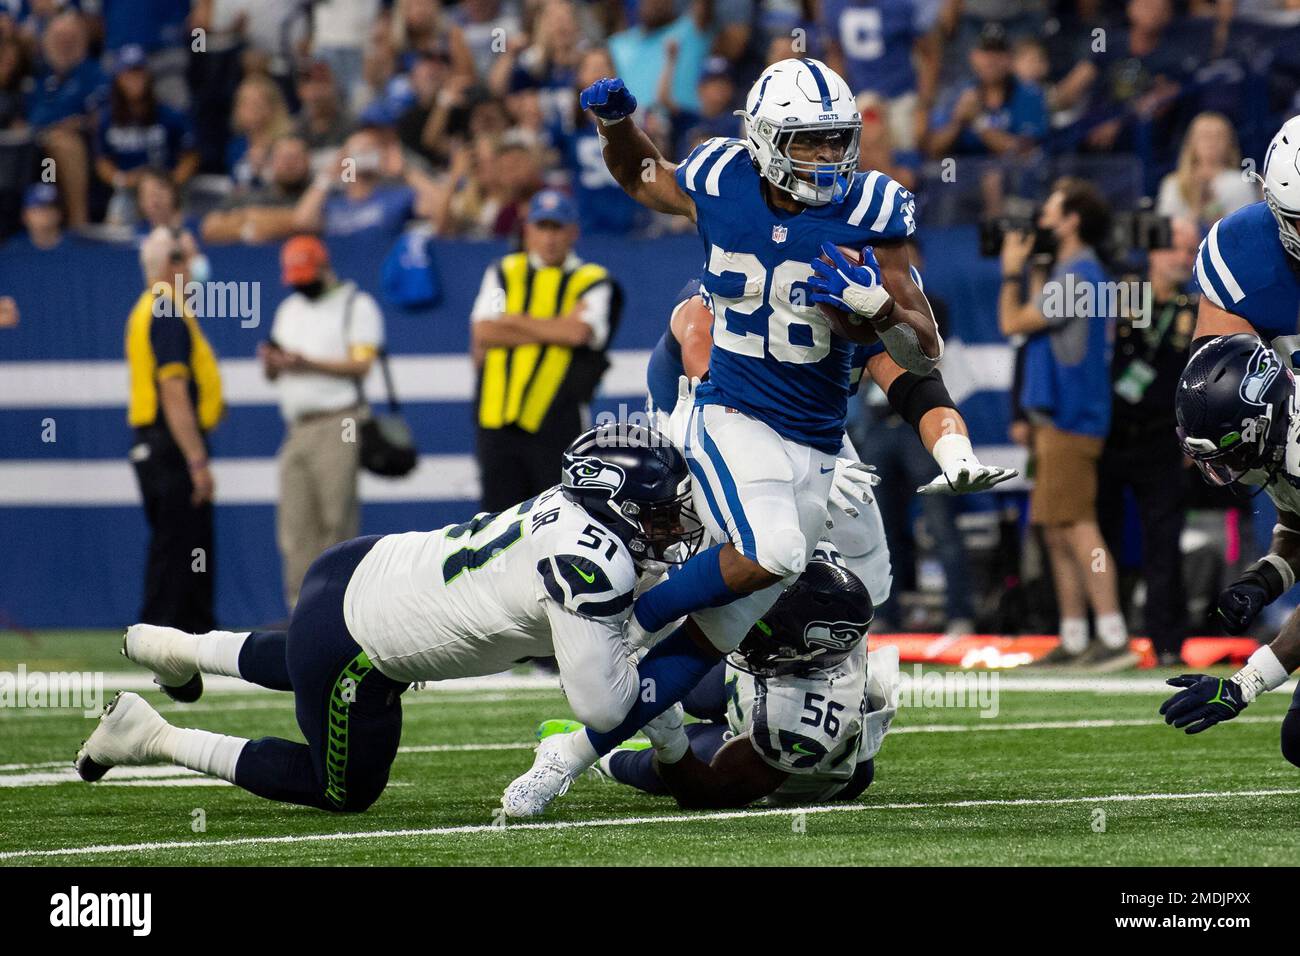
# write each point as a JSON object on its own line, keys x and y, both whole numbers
{"x": 796, "y": 714}
{"x": 1248, "y": 266}
{"x": 551, "y": 576}
{"x": 1239, "y": 421}
{"x": 768, "y": 423}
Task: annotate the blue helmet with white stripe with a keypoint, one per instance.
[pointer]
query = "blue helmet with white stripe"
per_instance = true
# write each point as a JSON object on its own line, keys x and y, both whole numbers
{"x": 804, "y": 103}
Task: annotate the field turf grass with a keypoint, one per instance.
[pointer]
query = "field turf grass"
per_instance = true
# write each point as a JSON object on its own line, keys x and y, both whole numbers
{"x": 1006, "y": 791}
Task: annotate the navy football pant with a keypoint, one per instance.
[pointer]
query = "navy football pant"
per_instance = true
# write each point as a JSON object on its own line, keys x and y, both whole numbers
{"x": 349, "y": 713}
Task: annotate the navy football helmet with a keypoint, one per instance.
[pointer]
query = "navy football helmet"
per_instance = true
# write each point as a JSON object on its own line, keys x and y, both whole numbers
{"x": 814, "y": 625}
{"x": 634, "y": 482}
{"x": 1234, "y": 408}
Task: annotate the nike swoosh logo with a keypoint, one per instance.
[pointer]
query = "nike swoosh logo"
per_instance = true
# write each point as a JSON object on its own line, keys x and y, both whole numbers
{"x": 827, "y": 471}
{"x": 799, "y": 749}
{"x": 589, "y": 578}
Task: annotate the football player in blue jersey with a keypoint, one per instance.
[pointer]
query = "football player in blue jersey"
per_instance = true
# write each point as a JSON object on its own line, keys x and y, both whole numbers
{"x": 1248, "y": 266}
{"x": 773, "y": 210}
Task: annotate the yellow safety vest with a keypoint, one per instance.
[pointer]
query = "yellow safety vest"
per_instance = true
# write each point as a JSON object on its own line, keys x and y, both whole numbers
{"x": 144, "y": 372}
{"x": 518, "y": 385}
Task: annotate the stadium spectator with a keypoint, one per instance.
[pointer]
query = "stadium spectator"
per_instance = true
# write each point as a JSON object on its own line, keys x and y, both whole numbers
{"x": 487, "y": 26}
{"x": 136, "y": 133}
{"x": 1209, "y": 181}
{"x": 890, "y": 48}
{"x": 997, "y": 114}
{"x": 639, "y": 52}
{"x": 174, "y": 402}
{"x": 158, "y": 201}
{"x": 486, "y": 189}
{"x": 159, "y": 28}
{"x": 603, "y": 206}
{"x": 1066, "y": 395}
{"x": 266, "y": 214}
{"x": 414, "y": 26}
{"x": 69, "y": 87}
{"x": 547, "y": 63}
{"x": 324, "y": 338}
{"x": 716, "y": 93}
{"x": 42, "y": 217}
{"x": 377, "y": 190}
{"x": 14, "y": 70}
{"x": 423, "y": 126}
{"x": 1142, "y": 453}
{"x": 260, "y": 117}
{"x": 339, "y": 29}
{"x": 539, "y": 357}
{"x": 323, "y": 121}
{"x": 876, "y": 148}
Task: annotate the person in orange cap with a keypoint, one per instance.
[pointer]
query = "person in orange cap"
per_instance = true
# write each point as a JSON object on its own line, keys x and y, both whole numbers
{"x": 323, "y": 341}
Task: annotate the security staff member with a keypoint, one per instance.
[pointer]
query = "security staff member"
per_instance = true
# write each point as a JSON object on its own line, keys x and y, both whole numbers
{"x": 538, "y": 332}
{"x": 1142, "y": 452}
{"x": 175, "y": 400}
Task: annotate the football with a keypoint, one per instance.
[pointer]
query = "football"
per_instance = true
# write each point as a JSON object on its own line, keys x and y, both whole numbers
{"x": 846, "y": 324}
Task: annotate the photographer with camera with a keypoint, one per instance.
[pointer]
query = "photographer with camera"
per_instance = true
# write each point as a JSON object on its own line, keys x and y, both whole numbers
{"x": 1064, "y": 309}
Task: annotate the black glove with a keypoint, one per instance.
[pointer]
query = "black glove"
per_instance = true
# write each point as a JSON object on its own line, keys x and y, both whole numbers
{"x": 1242, "y": 600}
{"x": 1204, "y": 702}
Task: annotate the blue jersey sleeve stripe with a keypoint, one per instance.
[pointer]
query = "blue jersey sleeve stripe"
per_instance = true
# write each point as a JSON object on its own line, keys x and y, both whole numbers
{"x": 715, "y": 174}
{"x": 864, "y": 201}
{"x": 1221, "y": 270}
{"x": 1203, "y": 280}
{"x": 887, "y": 206}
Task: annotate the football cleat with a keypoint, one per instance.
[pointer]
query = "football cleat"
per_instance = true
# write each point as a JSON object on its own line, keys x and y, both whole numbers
{"x": 166, "y": 652}
{"x": 557, "y": 725}
{"x": 550, "y": 776}
{"x": 126, "y": 735}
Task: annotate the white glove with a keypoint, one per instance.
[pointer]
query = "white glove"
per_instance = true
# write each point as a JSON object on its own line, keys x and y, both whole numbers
{"x": 962, "y": 472}
{"x": 679, "y": 415}
{"x": 667, "y": 734}
{"x": 853, "y": 482}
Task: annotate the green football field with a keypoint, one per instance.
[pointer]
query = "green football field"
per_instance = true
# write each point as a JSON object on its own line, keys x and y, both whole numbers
{"x": 1072, "y": 770}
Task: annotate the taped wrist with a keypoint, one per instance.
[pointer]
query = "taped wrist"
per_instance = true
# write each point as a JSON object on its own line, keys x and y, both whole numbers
{"x": 1263, "y": 672}
{"x": 911, "y": 395}
{"x": 1273, "y": 574}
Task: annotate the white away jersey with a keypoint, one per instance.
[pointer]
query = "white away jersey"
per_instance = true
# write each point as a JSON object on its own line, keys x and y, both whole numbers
{"x": 816, "y": 728}
{"x": 774, "y": 357}
{"x": 472, "y": 598}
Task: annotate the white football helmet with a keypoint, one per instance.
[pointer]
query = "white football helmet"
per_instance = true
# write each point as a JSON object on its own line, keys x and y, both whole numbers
{"x": 1281, "y": 182}
{"x": 801, "y": 96}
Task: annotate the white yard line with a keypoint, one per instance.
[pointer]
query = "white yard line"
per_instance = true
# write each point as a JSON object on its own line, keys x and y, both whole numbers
{"x": 181, "y": 845}
{"x": 49, "y": 773}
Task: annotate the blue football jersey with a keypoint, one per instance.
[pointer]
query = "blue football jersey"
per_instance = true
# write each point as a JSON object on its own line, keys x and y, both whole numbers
{"x": 774, "y": 357}
{"x": 1242, "y": 268}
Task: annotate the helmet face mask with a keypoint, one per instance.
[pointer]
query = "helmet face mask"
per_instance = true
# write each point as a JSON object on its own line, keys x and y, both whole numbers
{"x": 795, "y": 107}
{"x": 1234, "y": 407}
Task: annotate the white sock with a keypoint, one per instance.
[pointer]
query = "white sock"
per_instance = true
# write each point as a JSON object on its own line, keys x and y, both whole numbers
{"x": 1112, "y": 630}
{"x": 1074, "y": 634}
{"x": 579, "y": 754}
{"x": 217, "y": 652}
{"x": 202, "y": 750}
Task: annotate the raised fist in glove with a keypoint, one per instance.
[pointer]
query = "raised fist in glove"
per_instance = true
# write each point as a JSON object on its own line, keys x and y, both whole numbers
{"x": 609, "y": 99}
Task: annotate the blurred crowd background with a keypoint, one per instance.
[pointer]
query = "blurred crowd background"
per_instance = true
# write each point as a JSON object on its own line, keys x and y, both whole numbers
{"x": 414, "y": 138}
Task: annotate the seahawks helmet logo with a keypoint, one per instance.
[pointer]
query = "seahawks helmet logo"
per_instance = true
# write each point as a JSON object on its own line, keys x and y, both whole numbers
{"x": 836, "y": 635}
{"x": 593, "y": 473}
{"x": 1263, "y": 370}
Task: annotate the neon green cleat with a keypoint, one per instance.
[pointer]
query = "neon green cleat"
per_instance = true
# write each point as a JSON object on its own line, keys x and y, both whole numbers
{"x": 562, "y": 725}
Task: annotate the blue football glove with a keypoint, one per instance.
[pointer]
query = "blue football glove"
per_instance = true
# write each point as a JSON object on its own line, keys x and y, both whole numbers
{"x": 609, "y": 99}
{"x": 856, "y": 289}
{"x": 1203, "y": 702}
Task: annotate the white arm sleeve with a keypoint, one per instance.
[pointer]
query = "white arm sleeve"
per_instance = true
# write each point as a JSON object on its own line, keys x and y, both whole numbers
{"x": 595, "y": 312}
{"x": 599, "y": 680}
{"x": 367, "y": 327}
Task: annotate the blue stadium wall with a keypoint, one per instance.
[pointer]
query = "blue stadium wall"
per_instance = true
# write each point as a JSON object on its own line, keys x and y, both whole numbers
{"x": 73, "y": 534}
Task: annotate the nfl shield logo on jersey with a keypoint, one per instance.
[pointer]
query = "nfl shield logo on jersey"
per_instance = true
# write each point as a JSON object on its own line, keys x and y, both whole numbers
{"x": 779, "y": 233}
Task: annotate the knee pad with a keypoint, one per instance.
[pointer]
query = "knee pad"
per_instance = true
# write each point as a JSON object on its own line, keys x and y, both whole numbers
{"x": 783, "y": 552}
{"x": 1291, "y": 737}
